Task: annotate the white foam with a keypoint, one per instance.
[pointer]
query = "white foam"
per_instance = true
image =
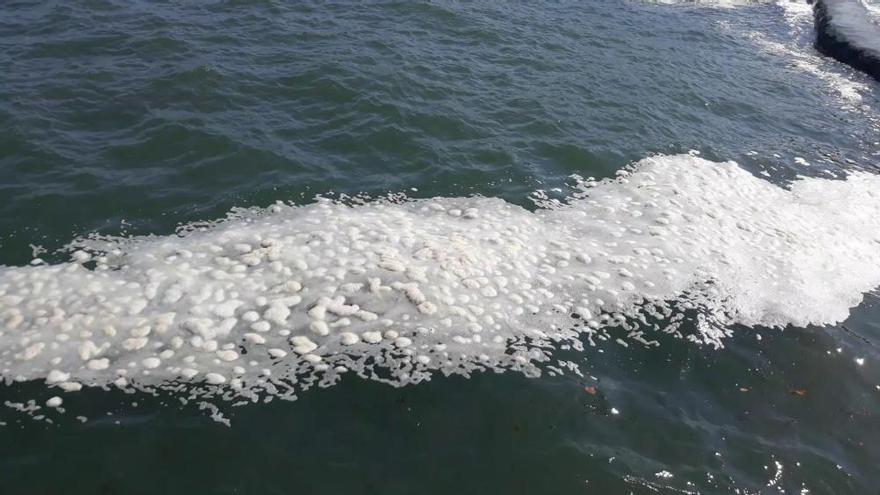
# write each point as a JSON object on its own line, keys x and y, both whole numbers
{"x": 396, "y": 289}
{"x": 798, "y": 13}
{"x": 721, "y": 4}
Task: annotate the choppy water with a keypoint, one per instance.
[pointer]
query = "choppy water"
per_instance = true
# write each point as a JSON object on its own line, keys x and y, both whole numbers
{"x": 132, "y": 118}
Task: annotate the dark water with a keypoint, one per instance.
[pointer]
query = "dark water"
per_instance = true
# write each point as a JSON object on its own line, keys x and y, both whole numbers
{"x": 134, "y": 117}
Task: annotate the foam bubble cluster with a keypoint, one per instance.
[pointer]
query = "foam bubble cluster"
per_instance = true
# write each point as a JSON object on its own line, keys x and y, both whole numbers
{"x": 269, "y": 302}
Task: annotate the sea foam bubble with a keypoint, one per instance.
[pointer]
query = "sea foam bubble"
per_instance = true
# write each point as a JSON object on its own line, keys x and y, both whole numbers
{"x": 271, "y": 301}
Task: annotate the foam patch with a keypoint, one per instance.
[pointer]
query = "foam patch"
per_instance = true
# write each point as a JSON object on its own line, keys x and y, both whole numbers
{"x": 271, "y": 301}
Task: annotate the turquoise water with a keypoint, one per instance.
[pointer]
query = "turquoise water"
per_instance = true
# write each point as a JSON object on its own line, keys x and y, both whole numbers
{"x": 132, "y": 118}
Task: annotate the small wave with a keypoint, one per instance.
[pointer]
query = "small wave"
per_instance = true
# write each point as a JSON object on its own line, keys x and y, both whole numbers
{"x": 845, "y": 31}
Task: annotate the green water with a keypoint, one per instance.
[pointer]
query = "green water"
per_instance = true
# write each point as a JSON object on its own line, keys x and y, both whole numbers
{"x": 135, "y": 117}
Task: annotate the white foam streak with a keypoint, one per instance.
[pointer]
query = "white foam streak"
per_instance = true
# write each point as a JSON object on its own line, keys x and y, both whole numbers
{"x": 270, "y": 301}
{"x": 799, "y": 15}
{"x": 849, "y": 90}
{"x": 724, "y": 4}
{"x": 799, "y": 53}
{"x": 873, "y": 8}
